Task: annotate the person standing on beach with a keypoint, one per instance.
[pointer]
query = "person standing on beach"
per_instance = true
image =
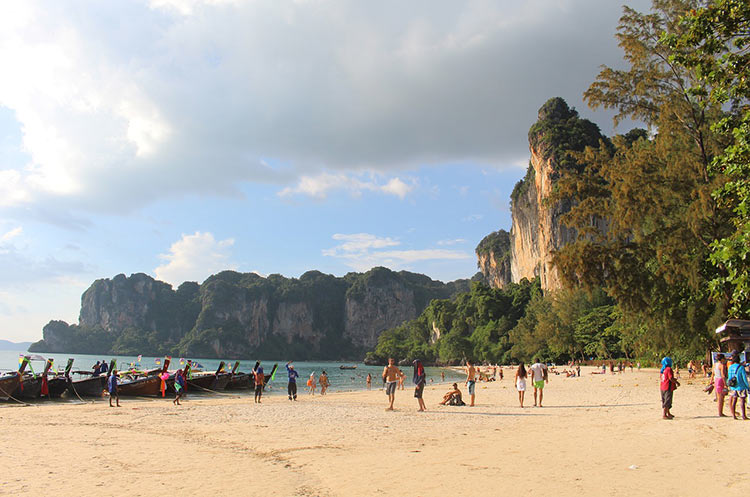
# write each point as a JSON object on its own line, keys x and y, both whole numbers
{"x": 323, "y": 382}
{"x": 471, "y": 382}
{"x": 521, "y": 383}
{"x": 720, "y": 382}
{"x": 112, "y": 388}
{"x": 311, "y": 383}
{"x": 369, "y": 381}
{"x": 291, "y": 387}
{"x": 738, "y": 387}
{"x": 420, "y": 379}
{"x": 259, "y": 381}
{"x": 179, "y": 386}
{"x": 668, "y": 385}
{"x": 391, "y": 375}
{"x": 539, "y": 376}
{"x": 442, "y": 375}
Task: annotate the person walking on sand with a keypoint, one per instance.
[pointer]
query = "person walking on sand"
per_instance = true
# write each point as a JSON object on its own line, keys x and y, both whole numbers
{"x": 323, "y": 382}
{"x": 291, "y": 387}
{"x": 369, "y": 381}
{"x": 420, "y": 378}
{"x": 179, "y": 386}
{"x": 112, "y": 384}
{"x": 260, "y": 379}
{"x": 738, "y": 387}
{"x": 471, "y": 382}
{"x": 521, "y": 383}
{"x": 720, "y": 382}
{"x": 391, "y": 375}
{"x": 539, "y": 376}
{"x": 667, "y": 386}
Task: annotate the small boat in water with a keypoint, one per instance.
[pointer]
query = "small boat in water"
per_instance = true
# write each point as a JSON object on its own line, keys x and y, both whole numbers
{"x": 348, "y": 367}
{"x": 9, "y": 382}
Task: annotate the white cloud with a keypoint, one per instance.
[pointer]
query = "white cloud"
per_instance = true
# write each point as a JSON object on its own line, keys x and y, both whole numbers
{"x": 194, "y": 258}
{"x": 321, "y": 185}
{"x": 362, "y": 252}
{"x": 122, "y": 103}
{"x": 451, "y": 242}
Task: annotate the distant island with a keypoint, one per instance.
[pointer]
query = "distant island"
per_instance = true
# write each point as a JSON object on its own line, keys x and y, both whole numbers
{"x": 8, "y": 345}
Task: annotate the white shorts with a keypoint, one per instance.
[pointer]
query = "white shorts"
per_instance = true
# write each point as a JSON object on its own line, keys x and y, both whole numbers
{"x": 521, "y": 384}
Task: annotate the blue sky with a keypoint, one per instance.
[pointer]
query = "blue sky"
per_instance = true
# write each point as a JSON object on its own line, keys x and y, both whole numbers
{"x": 181, "y": 137}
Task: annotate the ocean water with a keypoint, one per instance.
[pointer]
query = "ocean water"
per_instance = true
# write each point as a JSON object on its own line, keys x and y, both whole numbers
{"x": 339, "y": 379}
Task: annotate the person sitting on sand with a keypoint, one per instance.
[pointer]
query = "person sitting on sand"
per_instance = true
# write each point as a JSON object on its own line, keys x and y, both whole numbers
{"x": 112, "y": 388}
{"x": 453, "y": 397}
{"x": 323, "y": 382}
{"x": 391, "y": 377}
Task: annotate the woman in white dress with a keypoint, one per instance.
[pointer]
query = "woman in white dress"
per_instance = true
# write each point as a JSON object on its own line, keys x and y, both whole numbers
{"x": 521, "y": 383}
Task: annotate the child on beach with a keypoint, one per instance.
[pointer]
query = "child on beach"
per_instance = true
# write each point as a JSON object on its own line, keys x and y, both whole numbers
{"x": 521, "y": 383}
{"x": 738, "y": 386}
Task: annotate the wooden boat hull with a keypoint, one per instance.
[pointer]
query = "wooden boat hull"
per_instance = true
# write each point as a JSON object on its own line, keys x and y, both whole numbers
{"x": 222, "y": 380}
{"x": 29, "y": 388}
{"x": 88, "y": 387}
{"x": 240, "y": 381}
{"x": 149, "y": 386}
{"x": 8, "y": 385}
{"x": 57, "y": 386}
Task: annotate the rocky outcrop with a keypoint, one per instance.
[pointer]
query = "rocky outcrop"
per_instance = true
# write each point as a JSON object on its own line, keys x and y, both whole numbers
{"x": 493, "y": 254}
{"x": 537, "y": 230}
{"x": 231, "y": 314}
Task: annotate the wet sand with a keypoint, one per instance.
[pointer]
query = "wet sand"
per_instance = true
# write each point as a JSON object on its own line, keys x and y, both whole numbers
{"x": 598, "y": 434}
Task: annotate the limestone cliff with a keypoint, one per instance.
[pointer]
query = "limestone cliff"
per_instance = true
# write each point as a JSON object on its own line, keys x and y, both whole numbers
{"x": 537, "y": 230}
{"x": 493, "y": 254}
{"x": 235, "y": 315}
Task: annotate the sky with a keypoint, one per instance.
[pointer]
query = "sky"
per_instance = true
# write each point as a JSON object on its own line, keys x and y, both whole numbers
{"x": 179, "y": 138}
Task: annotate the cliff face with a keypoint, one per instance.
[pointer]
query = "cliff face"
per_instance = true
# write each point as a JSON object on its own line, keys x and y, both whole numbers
{"x": 537, "y": 230}
{"x": 494, "y": 259}
{"x": 234, "y": 315}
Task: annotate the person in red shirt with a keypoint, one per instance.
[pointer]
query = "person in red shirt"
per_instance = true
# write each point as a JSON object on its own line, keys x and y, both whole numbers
{"x": 668, "y": 385}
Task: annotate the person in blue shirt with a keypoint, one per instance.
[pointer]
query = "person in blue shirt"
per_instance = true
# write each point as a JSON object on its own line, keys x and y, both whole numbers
{"x": 112, "y": 382}
{"x": 738, "y": 387}
{"x": 104, "y": 368}
{"x": 291, "y": 388}
{"x": 97, "y": 368}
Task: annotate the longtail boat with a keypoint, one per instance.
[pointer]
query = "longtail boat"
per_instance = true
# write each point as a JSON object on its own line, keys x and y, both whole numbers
{"x": 58, "y": 383}
{"x": 239, "y": 380}
{"x": 9, "y": 382}
{"x": 143, "y": 386}
{"x": 88, "y": 387}
{"x": 206, "y": 381}
{"x": 31, "y": 384}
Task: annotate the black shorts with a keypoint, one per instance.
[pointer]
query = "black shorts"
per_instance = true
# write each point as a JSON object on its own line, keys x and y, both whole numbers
{"x": 258, "y": 388}
{"x": 418, "y": 391}
{"x": 666, "y": 399}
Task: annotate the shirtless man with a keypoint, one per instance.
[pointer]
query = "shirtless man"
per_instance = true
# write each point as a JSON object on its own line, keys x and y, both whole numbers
{"x": 391, "y": 376}
{"x": 471, "y": 381}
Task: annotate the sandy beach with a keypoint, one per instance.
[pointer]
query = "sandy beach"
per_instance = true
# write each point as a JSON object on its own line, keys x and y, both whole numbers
{"x": 597, "y": 434}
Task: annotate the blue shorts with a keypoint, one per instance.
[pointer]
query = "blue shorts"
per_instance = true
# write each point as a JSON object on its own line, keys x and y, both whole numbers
{"x": 390, "y": 387}
{"x": 472, "y": 384}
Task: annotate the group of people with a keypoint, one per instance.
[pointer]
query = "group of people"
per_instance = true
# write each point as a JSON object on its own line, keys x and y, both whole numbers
{"x": 392, "y": 376}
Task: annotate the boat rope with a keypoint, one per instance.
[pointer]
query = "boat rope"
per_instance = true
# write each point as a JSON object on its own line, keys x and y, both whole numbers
{"x": 212, "y": 391}
{"x": 79, "y": 397}
{"x": 10, "y": 397}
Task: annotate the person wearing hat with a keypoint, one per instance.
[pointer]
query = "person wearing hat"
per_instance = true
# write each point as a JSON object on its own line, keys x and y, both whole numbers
{"x": 291, "y": 388}
{"x": 738, "y": 387}
{"x": 667, "y": 385}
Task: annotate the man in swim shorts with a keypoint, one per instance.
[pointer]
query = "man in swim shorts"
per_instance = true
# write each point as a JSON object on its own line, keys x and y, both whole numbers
{"x": 471, "y": 382}
{"x": 391, "y": 375}
{"x": 539, "y": 377}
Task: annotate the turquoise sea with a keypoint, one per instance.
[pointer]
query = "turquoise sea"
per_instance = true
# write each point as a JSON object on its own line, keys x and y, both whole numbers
{"x": 340, "y": 379}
